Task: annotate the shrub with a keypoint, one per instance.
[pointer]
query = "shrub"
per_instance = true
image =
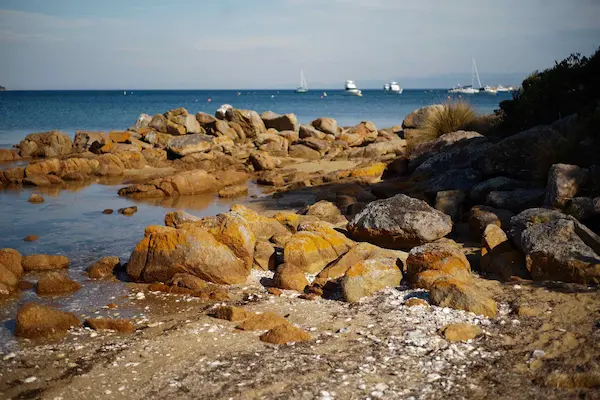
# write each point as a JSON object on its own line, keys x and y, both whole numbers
{"x": 454, "y": 116}
{"x": 570, "y": 86}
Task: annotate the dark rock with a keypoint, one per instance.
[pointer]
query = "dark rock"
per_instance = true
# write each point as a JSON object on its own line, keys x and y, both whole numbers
{"x": 480, "y": 191}
{"x": 564, "y": 181}
{"x": 128, "y": 211}
{"x": 482, "y": 216}
{"x": 516, "y": 200}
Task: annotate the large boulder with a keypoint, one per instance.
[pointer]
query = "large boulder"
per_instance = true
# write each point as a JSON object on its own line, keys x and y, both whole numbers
{"x": 399, "y": 222}
{"x": 315, "y": 245}
{"x": 290, "y": 277}
{"x": 417, "y": 118}
{"x": 480, "y": 191}
{"x": 165, "y": 251}
{"x": 46, "y": 144}
{"x": 461, "y": 295}
{"x": 307, "y": 131}
{"x": 182, "y": 183}
{"x": 516, "y": 200}
{"x": 365, "y": 132}
{"x": 564, "y": 181}
{"x": 272, "y": 143}
{"x": 9, "y": 155}
{"x": 450, "y": 203}
{"x": 445, "y": 258}
{"x": 367, "y": 277}
{"x": 84, "y": 139}
{"x": 286, "y": 122}
{"x": 56, "y": 283}
{"x": 188, "y": 144}
{"x": 249, "y": 120}
{"x": 583, "y": 208}
{"x": 11, "y": 259}
{"x": 557, "y": 247}
{"x": 326, "y": 125}
{"x": 262, "y": 161}
{"x": 527, "y": 155}
{"x": 482, "y": 216}
{"x": 303, "y": 151}
{"x": 498, "y": 257}
{"x": 35, "y": 321}
{"x": 453, "y": 179}
{"x": 325, "y": 211}
{"x": 264, "y": 228}
{"x": 44, "y": 262}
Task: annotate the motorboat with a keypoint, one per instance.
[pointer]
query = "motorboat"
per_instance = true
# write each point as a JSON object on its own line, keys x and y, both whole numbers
{"x": 393, "y": 87}
{"x": 504, "y": 89}
{"x": 351, "y": 89}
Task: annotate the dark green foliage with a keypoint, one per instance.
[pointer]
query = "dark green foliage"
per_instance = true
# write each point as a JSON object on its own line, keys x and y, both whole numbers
{"x": 571, "y": 86}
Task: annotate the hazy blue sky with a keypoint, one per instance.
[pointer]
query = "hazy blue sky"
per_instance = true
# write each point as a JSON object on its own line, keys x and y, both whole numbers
{"x": 193, "y": 44}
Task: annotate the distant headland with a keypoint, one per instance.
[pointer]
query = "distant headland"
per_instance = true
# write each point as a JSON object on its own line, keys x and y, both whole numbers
{"x": 2, "y": 88}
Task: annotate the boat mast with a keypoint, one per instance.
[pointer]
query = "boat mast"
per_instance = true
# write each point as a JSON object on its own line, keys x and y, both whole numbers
{"x": 476, "y": 72}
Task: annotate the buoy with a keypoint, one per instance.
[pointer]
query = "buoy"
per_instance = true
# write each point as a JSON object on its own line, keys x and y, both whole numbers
{"x": 209, "y": 100}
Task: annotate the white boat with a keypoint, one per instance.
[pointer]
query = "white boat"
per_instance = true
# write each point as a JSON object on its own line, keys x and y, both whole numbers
{"x": 393, "y": 87}
{"x": 489, "y": 89}
{"x": 352, "y": 90}
{"x": 504, "y": 89}
{"x": 303, "y": 86}
{"x": 470, "y": 89}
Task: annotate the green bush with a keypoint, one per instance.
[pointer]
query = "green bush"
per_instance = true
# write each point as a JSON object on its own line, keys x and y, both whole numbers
{"x": 570, "y": 86}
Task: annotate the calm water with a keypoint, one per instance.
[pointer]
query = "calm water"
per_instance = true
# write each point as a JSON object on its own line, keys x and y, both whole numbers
{"x": 26, "y": 112}
{"x": 71, "y": 222}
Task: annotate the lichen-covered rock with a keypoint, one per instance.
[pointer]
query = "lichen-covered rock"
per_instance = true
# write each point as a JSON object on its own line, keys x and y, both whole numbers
{"x": 447, "y": 258}
{"x": 35, "y": 321}
{"x": 286, "y": 122}
{"x": 262, "y": 161}
{"x": 369, "y": 173}
{"x": 264, "y": 228}
{"x": 56, "y": 283}
{"x": 460, "y": 332}
{"x": 265, "y": 257}
{"x": 46, "y": 144}
{"x": 314, "y": 246}
{"x": 462, "y": 296}
{"x": 399, "y": 222}
{"x": 564, "y": 181}
{"x": 367, "y": 277}
{"x": 44, "y": 262}
{"x": 176, "y": 219}
{"x": 189, "y": 144}
{"x": 181, "y": 183}
{"x": 288, "y": 276}
{"x": 326, "y": 125}
{"x": 286, "y": 333}
{"x": 326, "y": 211}
{"x": 104, "y": 268}
{"x": 361, "y": 252}
{"x": 365, "y": 132}
{"x": 481, "y": 216}
{"x": 165, "y": 251}
{"x": 249, "y": 120}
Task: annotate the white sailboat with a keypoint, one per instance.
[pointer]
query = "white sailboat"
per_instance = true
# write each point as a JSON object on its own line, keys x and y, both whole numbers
{"x": 468, "y": 89}
{"x": 303, "y": 86}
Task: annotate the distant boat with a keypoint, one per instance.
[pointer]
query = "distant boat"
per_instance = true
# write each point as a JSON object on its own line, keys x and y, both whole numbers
{"x": 324, "y": 94}
{"x": 124, "y": 93}
{"x": 469, "y": 89}
{"x": 303, "y": 86}
{"x": 393, "y": 87}
{"x": 351, "y": 89}
{"x": 504, "y": 89}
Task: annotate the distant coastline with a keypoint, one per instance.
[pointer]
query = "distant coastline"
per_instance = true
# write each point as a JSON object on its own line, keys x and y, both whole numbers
{"x": 2, "y": 89}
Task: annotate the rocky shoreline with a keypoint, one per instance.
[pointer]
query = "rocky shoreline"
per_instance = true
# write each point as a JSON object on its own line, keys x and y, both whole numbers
{"x": 464, "y": 265}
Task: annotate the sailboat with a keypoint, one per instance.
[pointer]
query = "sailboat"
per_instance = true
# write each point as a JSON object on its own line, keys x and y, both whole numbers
{"x": 303, "y": 86}
{"x": 468, "y": 89}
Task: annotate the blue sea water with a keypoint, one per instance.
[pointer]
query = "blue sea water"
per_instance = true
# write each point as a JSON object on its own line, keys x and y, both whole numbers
{"x": 25, "y": 112}
{"x": 71, "y": 222}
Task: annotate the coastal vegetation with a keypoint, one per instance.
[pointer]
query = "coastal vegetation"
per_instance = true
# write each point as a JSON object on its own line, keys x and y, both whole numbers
{"x": 456, "y": 115}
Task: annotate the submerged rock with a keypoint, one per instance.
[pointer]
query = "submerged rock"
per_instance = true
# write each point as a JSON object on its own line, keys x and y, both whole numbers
{"x": 128, "y": 211}
{"x": 35, "y": 321}
{"x": 104, "y": 268}
{"x": 36, "y": 199}
{"x": 399, "y": 222}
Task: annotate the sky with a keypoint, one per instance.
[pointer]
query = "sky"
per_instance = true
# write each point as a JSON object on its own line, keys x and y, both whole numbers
{"x": 243, "y": 44}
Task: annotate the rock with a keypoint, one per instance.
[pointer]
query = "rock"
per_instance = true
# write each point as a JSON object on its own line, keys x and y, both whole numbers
{"x": 303, "y": 151}
{"x": 326, "y": 125}
{"x": 158, "y": 123}
{"x": 314, "y": 246}
{"x": 262, "y": 161}
{"x": 498, "y": 257}
{"x": 367, "y": 277}
{"x": 264, "y": 228}
{"x": 108, "y": 211}
{"x": 462, "y": 296}
{"x": 35, "y": 321}
{"x": 285, "y": 334}
{"x": 8, "y": 280}
{"x": 143, "y": 121}
{"x": 290, "y": 220}
{"x": 222, "y": 111}
{"x": 249, "y": 120}
{"x": 128, "y": 211}
{"x": 165, "y": 251}
{"x": 286, "y": 122}
{"x": 55, "y": 283}
{"x": 560, "y": 249}
{"x": 176, "y": 219}
{"x": 181, "y": 183}
{"x": 516, "y": 200}
{"x": 361, "y": 252}
{"x": 449, "y": 202}
{"x": 291, "y": 136}
{"x": 260, "y": 322}
{"x": 9, "y": 155}
{"x": 416, "y": 302}
{"x": 454, "y": 179}
{"x": 369, "y": 173}
{"x": 272, "y": 143}
{"x": 481, "y": 216}
{"x": 460, "y": 332}
{"x": 463, "y": 154}
{"x": 307, "y": 131}
{"x": 231, "y": 313}
{"x": 583, "y": 208}
{"x": 154, "y": 154}
{"x": 527, "y": 155}
{"x": 118, "y": 325}
{"x": 11, "y": 259}
{"x": 234, "y": 231}
{"x": 445, "y": 258}
{"x": 417, "y": 118}
{"x": 480, "y": 191}
{"x": 189, "y": 281}
{"x": 447, "y": 143}
{"x": 119, "y": 136}
{"x": 365, "y": 132}
{"x": 233, "y": 191}
{"x": 36, "y": 199}
{"x": 46, "y": 144}
{"x": 189, "y": 144}
{"x": 564, "y": 181}
{"x": 31, "y": 238}
{"x": 44, "y": 262}
{"x": 326, "y": 211}
{"x": 14, "y": 174}
{"x": 399, "y": 222}
{"x": 104, "y": 268}
{"x": 265, "y": 257}
{"x": 110, "y": 165}
{"x": 158, "y": 138}
{"x": 288, "y": 276}
{"x": 316, "y": 144}
{"x": 42, "y": 181}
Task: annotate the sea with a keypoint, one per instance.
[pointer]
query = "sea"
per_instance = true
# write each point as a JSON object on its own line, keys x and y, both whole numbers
{"x": 71, "y": 222}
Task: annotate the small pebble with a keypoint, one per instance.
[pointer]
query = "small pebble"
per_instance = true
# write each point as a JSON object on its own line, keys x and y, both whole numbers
{"x": 30, "y": 379}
